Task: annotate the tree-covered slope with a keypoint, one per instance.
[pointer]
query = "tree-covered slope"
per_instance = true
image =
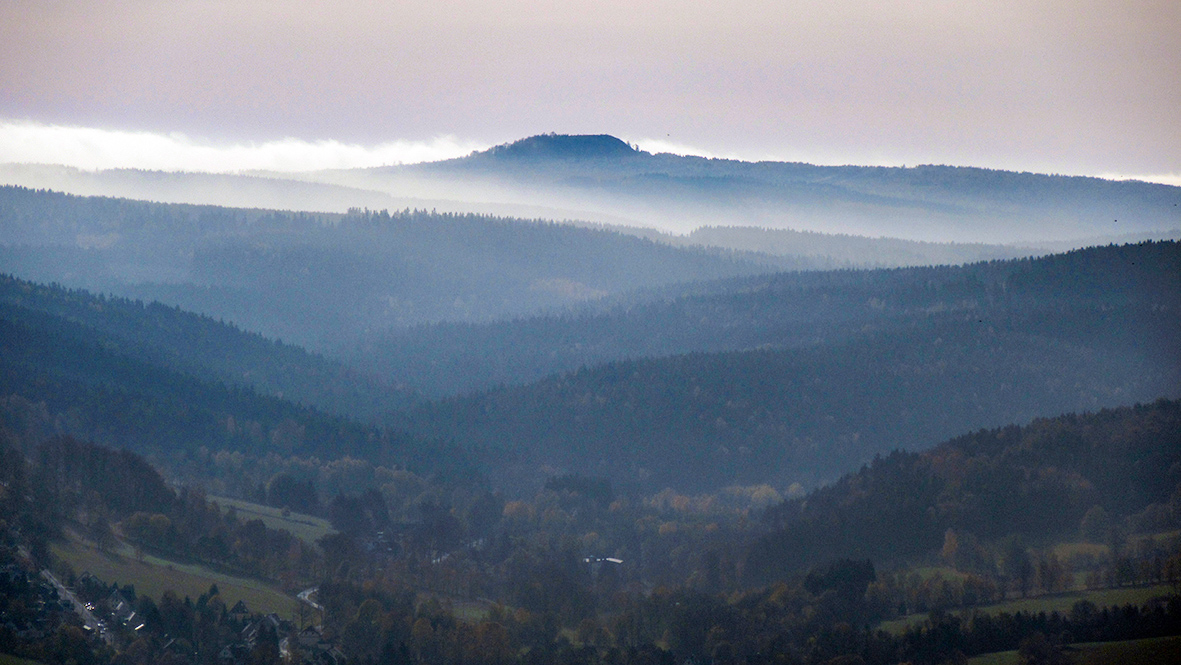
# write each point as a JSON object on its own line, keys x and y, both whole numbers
{"x": 928, "y": 202}
{"x": 779, "y": 311}
{"x": 210, "y": 350}
{"x": 880, "y": 360}
{"x": 63, "y": 377}
{"x": 1036, "y": 482}
{"x": 318, "y": 279}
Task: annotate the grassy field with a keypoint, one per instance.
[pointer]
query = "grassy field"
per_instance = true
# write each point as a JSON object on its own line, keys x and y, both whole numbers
{"x": 470, "y": 611}
{"x": 1134, "y": 652}
{"x": 306, "y": 527}
{"x": 6, "y": 659}
{"x": 153, "y": 576}
{"x": 1060, "y": 602}
{"x": 899, "y": 625}
{"x": 999, "y": 658}
{"x": 1065, "y": 551}
{"x": 946, "y": 572}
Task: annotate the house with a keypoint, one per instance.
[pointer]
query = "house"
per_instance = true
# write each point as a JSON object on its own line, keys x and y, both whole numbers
{"x": 120, "y": 608}
{"x": 270, "y": 622}
{"x": 597, "y": 563}
{"x": 310, "y": 637}
{"x": 239, "y": 612}
{"x": 311, "y": 647}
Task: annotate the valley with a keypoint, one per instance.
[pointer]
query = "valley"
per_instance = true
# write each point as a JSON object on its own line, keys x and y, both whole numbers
{"x": 895, "y": 415}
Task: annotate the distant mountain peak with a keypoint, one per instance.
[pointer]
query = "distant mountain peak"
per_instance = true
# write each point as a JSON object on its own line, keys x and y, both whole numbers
{"x": 563, "y": 146}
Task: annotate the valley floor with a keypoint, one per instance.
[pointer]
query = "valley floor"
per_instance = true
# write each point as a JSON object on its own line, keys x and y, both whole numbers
{"x": 152, "y": 576}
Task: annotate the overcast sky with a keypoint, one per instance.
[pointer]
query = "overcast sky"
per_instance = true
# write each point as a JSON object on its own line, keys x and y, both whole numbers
{"x": 1062, "y": 86}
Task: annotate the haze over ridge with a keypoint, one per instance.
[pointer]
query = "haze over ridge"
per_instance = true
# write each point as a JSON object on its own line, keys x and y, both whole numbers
{"x": 95, "y": 148}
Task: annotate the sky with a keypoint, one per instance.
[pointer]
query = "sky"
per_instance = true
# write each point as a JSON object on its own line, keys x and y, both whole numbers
{"x": 1053, "y": 86}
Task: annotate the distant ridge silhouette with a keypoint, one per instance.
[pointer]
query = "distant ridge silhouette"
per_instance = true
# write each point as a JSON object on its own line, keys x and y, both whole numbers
{"x": 562, "y": 146}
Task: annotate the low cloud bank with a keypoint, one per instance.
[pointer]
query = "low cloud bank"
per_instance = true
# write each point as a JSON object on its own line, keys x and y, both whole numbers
{"x": 90, "y": 148}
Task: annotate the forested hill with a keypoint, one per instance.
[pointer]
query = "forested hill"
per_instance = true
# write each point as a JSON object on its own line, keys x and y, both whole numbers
{"x": 929, "y": 202}
{"x": 560, "y": 146}
{"x": 318, "y": 279}
{"x": 60, "y": 376}
{"x": 211, "y": 350}
{"x": 894, "y": 359}
{"x": 780, "y": 311}
{"x": 1052, "y": 479}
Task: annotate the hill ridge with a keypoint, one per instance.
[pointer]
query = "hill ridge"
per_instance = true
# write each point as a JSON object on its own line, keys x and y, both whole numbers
{"x": 561, "y": 146}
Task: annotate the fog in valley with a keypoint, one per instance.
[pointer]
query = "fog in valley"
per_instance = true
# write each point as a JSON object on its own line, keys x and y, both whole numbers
{"x": 817, "y": 334}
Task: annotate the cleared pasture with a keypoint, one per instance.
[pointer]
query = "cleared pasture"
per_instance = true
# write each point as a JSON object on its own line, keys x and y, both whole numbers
{"x": 152, "y": 576}
{"x": 1152, "y": 651}
{"x": 1059, "y": 602}
{"x": 1133, "y": 652}
{"x": 305, "y": 527}
{"x": 998, "y": 658}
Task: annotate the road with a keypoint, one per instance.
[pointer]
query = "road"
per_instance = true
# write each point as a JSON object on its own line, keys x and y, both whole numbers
{"x": 306, "y": 596}
{"x": 92, "y": 622}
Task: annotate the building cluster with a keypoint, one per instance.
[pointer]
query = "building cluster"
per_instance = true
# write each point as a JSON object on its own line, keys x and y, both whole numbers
{"x": 297, "y": 647}
{"x": 43, "y": 608}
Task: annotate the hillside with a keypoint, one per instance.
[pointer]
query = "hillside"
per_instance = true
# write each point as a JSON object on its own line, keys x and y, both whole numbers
{"x": 677, "y": 193}
{"x": 1036, "y": 481}
{"x": 601, "y": 179}
{"x": 560, "y": 146}
{"x": 769, "y": 312}
{"x": 59, "y": 376}
{"x": 878, "y": 361}
{"x": 320, "y": 280}
{"x": 210, "y": 350}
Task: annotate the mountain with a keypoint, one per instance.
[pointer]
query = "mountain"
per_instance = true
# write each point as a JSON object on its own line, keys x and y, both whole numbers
{"x": 606, "y": 179}
{"x": 210, "y": 350}
{"x": 856, "y": 251}
{"x": 831, "y": 251}
{"x": 838, "y": 367}
{"x": 699, "y": 368}
{"x": 321, "y": 280}
{"x": 1037, "y": 482}
{"x": 601, "y": 179}
{"x": 219, "y": 189}
{"x": 794, "y": 310}
{"x": 62, "y": 376}
{"x": 560, "y": 146}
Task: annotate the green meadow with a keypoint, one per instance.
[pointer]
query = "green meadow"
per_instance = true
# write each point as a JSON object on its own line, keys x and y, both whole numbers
{"x": 152, "y": 576}
{"x": 1059, "y": 602}
{"x": 1133, "y": 652}
{"x": 305, "y": 527}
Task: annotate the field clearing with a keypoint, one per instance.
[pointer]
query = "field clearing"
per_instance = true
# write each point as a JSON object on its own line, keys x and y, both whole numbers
{"x": 471, "y": 611}
{"x": 305, "y": 527}
{"x": 1061, "y": 602}
{"x": 7, "y": 659}
{"x": 899, "y": 625}
{"x": 946, "y": 572}
{"x": 468, "y": 611}
{"x": 153, "y": 576}
{"x": 1133, "y": 652}
{"x": 1065, "y": 551}
{"x": 1099, "y": 550}
{"x": 998, "y": 658}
